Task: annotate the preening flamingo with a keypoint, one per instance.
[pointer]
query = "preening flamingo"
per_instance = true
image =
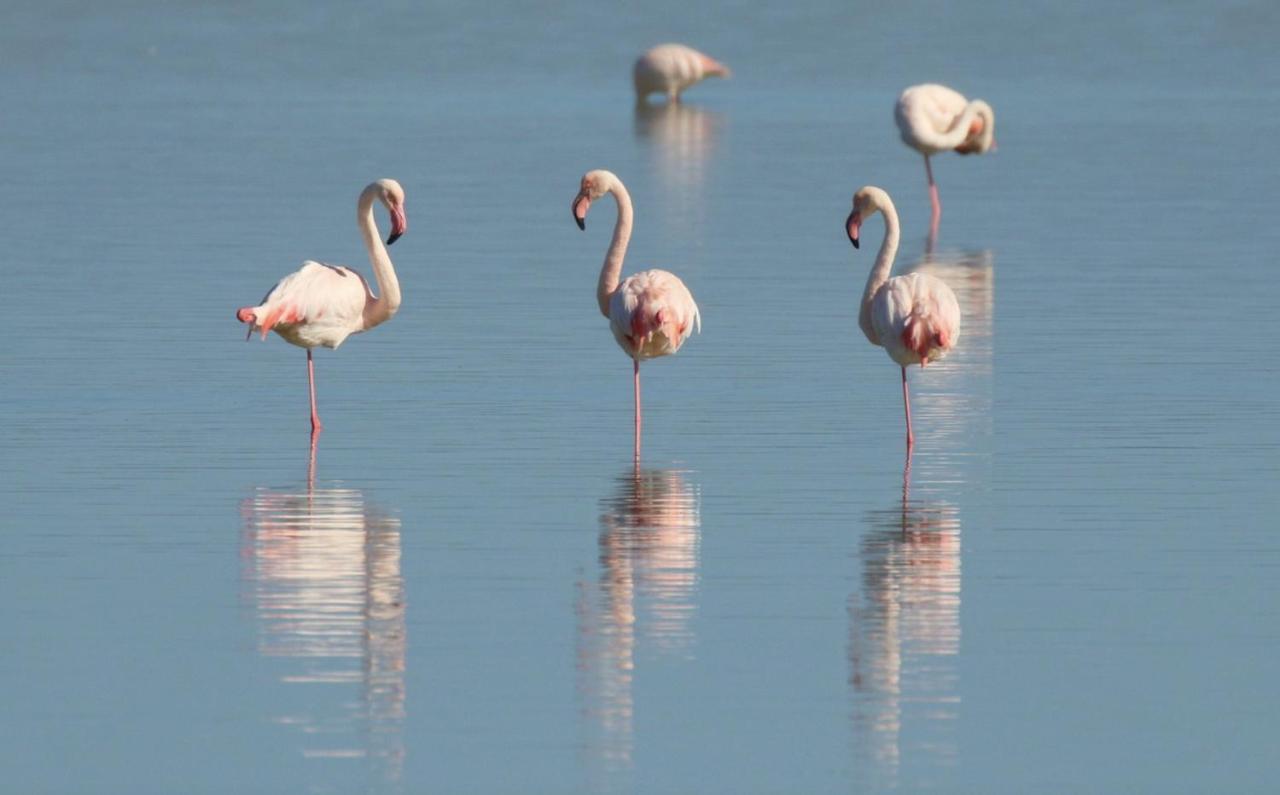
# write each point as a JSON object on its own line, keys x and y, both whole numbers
{"x": 321, "y": 304}
{"x": 933, "y": 118}
{"x": 915, "y": 317}
{"x": 671, "y": 68}
{"x": 651, "y": 313}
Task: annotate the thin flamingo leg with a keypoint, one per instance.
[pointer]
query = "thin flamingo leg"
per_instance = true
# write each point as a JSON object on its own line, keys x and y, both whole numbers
{"x": 637, "y": 388}
{"x": 311, "y": 381}
{"x": 933, "y": 200}
{"x": 906, "y": 404}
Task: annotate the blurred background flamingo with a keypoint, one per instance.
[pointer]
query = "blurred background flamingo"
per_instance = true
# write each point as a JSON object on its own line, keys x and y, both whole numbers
{"x": 669, "y": 69}
{"x": 932, "y": 119}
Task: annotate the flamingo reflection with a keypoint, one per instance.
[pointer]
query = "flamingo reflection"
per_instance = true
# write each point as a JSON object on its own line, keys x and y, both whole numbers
{"x": 682, "y": 139}
{"x": 649, "y": 539}
{"x": 904, "y": 635}
{"x": 322, "y": 569}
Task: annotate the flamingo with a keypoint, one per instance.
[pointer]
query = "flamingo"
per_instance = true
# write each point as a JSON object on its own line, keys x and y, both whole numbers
{"x": 671, "y": 68}
{"x": 915, "y": 317}
{"x": 933, "y": 118}
{"x": 651, "y": 313}
{"x": 321, "y": 304}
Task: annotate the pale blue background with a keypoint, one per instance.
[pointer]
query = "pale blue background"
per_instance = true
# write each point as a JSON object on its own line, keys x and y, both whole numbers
{"x": 1084, "y": 597}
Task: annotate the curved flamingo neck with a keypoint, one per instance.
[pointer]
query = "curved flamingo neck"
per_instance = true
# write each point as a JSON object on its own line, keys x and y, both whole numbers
{"x": 880, "y": 270}
{"x": 611, "y": 271}
{"x": 377, "y": 309}
{"x": 959, "y": 131}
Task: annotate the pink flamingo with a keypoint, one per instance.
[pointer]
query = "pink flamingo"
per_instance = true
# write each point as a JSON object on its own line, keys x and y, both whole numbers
{"x": 915, "y": 317}
{"x": 933, "y": 118}
{"x": 671, "y": 68}
{"x": 651, "y": 313}
{"x": 321, "y": 304}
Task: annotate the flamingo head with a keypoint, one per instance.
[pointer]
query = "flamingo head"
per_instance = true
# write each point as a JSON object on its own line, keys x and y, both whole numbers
{"x": 391, "y": 195}
{"x": 982, "y": 131}
{"x": 866, "y": 202}
{"x": 594, "y": 185}
{"x": 713, "y": 68}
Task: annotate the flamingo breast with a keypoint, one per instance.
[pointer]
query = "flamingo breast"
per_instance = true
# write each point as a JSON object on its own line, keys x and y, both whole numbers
{"x": 916, "y": 318}
{"x": 652, "y": 313}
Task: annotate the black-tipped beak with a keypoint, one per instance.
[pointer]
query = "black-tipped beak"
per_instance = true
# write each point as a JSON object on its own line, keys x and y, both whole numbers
{"x": 398, "y": 224}
{"x": 851, "y": 225}
{"x": 580, "y": 207}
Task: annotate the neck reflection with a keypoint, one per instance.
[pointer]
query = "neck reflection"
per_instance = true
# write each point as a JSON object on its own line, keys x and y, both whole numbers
{"x": 645, "y": 598}
{"x": 322, "y": 569}
{"x": 904, "y": 637}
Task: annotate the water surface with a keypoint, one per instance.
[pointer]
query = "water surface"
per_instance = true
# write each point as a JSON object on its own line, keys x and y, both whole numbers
{"x": 471, "y": 588}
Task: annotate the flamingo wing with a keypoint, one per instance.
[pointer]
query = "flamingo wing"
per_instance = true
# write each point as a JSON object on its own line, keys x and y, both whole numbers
{"x": 654, "y": 301}
{"x": 317, "y": 304}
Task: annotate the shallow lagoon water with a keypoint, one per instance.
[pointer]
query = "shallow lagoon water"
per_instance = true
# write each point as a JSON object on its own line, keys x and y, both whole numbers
{"x": 471, "y": 588}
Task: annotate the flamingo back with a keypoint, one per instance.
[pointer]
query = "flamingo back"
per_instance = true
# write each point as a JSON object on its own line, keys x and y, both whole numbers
{"x": 316, "y": 305}
{"x": 926, "y": 112}
{"x": 916, "y": 318}
{"x": 671, "y": 68}
{"x": 652, "y": 313}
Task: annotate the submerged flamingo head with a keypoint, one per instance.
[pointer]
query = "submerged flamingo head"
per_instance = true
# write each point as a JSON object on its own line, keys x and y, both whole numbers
{"x": 713, "y": 68}
{"x": 392, "y": 197}
{"x": 594, "y": 185}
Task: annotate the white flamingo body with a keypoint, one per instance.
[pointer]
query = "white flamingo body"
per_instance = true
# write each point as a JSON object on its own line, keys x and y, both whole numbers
{"x": 933, "y": 118}
{"x": 317, "y": 306}
{"x": 669, "y": 69}
{"x": 914, "y": 317}
{"x": 657, "y": 299}
{"x": 321, "y": 305}
{"x": 651, "y": 313}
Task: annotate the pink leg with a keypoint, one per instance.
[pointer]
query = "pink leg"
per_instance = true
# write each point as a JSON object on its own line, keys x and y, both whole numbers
{"x": 906, "y": 403}
{"x": 637, "y": 387}
{"x": 311, "y": 381}
{"x": 933, "y": 200}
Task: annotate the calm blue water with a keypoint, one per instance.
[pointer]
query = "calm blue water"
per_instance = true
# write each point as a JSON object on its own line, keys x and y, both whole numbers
{"x": 1075, "y": 589}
